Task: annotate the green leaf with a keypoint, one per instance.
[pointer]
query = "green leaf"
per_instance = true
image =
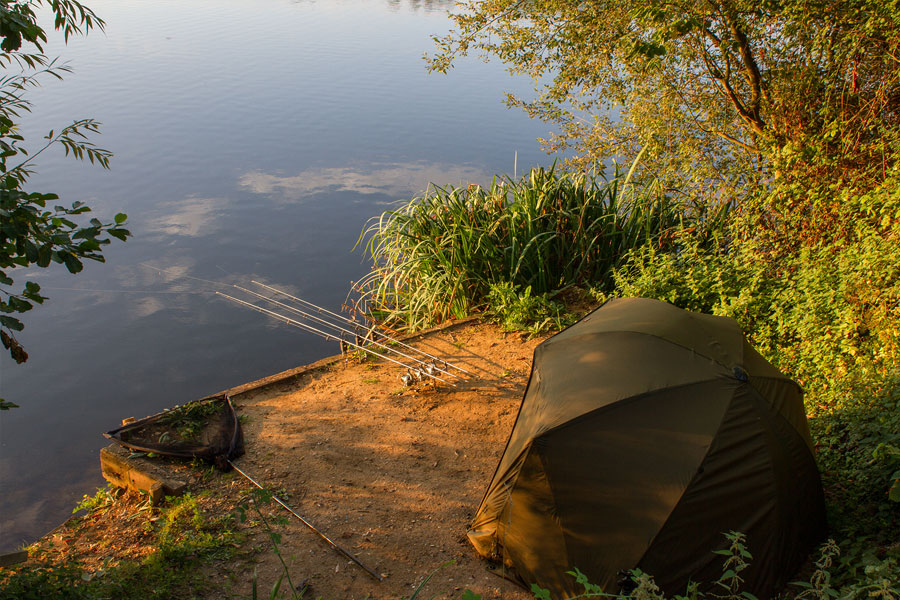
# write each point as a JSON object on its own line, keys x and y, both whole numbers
{"x": 894, "y": 492}
{"x": 6, "y": 405}
{"x": 276, "y": 587}
{"x": 540, "y": 593}
{"x": 11, "y": 323}
{"x": 72, "y": 263}
{"x": 45, "y": 254}
{"x": 120, "y": 218}
{"x": 120, "y": 234}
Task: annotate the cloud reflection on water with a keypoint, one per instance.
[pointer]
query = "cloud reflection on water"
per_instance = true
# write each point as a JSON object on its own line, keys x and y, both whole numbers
{"x": 191, "y": 217}
{"x": 399, "y": 180}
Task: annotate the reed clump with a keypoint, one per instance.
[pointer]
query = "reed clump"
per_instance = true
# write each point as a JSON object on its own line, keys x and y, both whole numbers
{"x": 438, "y": 255}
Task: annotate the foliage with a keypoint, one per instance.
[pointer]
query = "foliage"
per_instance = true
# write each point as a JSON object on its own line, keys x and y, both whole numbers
{"x": 641, "y": 586}
{"x": 712, "y": 96}
{"x": 185, "y": 539}
{"x": 258, "y": 499}
{"x": 59, "y": 582}
{"x": 826, "y": 313}
{"x": 103, "y": 499}
{"x": 518, "y": 311}
{"x": 825, "y": 309}
{"x": 32, "y": 233}
{"x": 437, "y": 256}
{"x": 879, "y": 580}
{"x": 191, "y": 418}
{"x": 425, "y": 581}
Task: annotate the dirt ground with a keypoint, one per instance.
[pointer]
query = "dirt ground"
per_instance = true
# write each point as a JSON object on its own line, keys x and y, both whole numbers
{"x": 391, "y": 473}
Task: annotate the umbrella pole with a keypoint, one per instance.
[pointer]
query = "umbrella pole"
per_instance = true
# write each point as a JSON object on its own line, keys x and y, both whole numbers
{"x": 308, "y": 524}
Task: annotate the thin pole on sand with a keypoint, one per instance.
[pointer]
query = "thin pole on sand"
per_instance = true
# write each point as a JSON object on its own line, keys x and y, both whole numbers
{"x": 337, "y": 547}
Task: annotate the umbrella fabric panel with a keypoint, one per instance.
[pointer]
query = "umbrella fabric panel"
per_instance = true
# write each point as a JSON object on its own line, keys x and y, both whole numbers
{"x": 483, "y": 531}
{"x": 529, "y": 533}
{"x": 617, "y": 473}
{"x": 801, "y": 509}
{"x": 597, "y": 370}
{"x": 786, "y": 399}
{"x": 718, "y": 338}
{"x": 748, "y": 483}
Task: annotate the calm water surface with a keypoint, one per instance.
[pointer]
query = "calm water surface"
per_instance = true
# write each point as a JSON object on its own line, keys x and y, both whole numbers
{"x": 252, "y": 139}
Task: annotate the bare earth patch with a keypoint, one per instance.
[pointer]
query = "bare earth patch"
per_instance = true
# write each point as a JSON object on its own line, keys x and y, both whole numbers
{"x": 392, "y": 474}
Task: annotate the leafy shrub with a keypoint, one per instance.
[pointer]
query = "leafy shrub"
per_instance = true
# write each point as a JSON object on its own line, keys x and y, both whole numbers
{"x": 877, "y": 579}
{"x": 826, "y": 311}
{"x": 517, "y": 311}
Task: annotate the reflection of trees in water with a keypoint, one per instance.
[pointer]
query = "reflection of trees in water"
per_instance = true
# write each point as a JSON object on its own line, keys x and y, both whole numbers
{"x": 413, "y": 5}
{"x": 427, "y": 5}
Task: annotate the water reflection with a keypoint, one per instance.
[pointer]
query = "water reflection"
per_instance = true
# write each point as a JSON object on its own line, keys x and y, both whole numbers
{"x": 400, "y": 180}
{"x": 253, "y": 140}
{"x": 424, "y": 5}
{"x": 192, "y": 217}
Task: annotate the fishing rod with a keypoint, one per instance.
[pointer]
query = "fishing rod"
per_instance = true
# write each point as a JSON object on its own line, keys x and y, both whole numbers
{"x": 339, "y": 328}
{"x": 352, "y": 322}
{"x": 413, "y": 370}
{"x": 328, "y": 336}
{"x": 308, "y": 524}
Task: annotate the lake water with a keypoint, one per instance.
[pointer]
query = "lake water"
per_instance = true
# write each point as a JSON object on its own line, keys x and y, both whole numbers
{"x": 252, "y": 140}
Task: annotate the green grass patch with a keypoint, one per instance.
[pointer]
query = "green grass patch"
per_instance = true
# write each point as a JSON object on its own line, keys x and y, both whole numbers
{"x": 437, "y": 256}
{"x": 185, "y": 540}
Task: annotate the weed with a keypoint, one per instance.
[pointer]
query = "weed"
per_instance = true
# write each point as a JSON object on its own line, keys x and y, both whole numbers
{"x": 517, "y": 311}
{"x": 425, "y": 581}
{"x": 189, "y": 419}
{"x": 104, "y": 499}
{"x": 185, "y": 541}
{"x": 253, "y": 506}
{"x": 729, "y": 586}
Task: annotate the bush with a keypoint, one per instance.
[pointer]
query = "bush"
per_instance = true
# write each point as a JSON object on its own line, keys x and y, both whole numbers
{"x": 827, "y": 313}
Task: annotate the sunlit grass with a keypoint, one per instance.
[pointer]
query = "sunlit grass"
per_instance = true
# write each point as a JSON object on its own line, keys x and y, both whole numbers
{"x": 437, "y": 256}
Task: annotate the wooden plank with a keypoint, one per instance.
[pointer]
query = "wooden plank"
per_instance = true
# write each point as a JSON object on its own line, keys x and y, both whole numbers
{"x": 138, "y": 473}
{"x": 13, "y": 558}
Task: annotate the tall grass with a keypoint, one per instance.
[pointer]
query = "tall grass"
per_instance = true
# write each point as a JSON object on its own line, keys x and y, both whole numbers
{"x": 437, "y": 256}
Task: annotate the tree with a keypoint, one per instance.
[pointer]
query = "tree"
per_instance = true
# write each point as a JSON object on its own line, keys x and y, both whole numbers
{"x": 710, "y": 95}
{"x": 31, "y": 233}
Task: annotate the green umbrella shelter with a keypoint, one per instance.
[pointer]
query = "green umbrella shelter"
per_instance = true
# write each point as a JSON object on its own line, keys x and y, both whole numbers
{"x": 645, "y": 433}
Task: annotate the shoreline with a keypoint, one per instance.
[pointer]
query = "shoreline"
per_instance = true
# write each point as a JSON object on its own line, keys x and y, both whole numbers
{"x": 393, "y": 474}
